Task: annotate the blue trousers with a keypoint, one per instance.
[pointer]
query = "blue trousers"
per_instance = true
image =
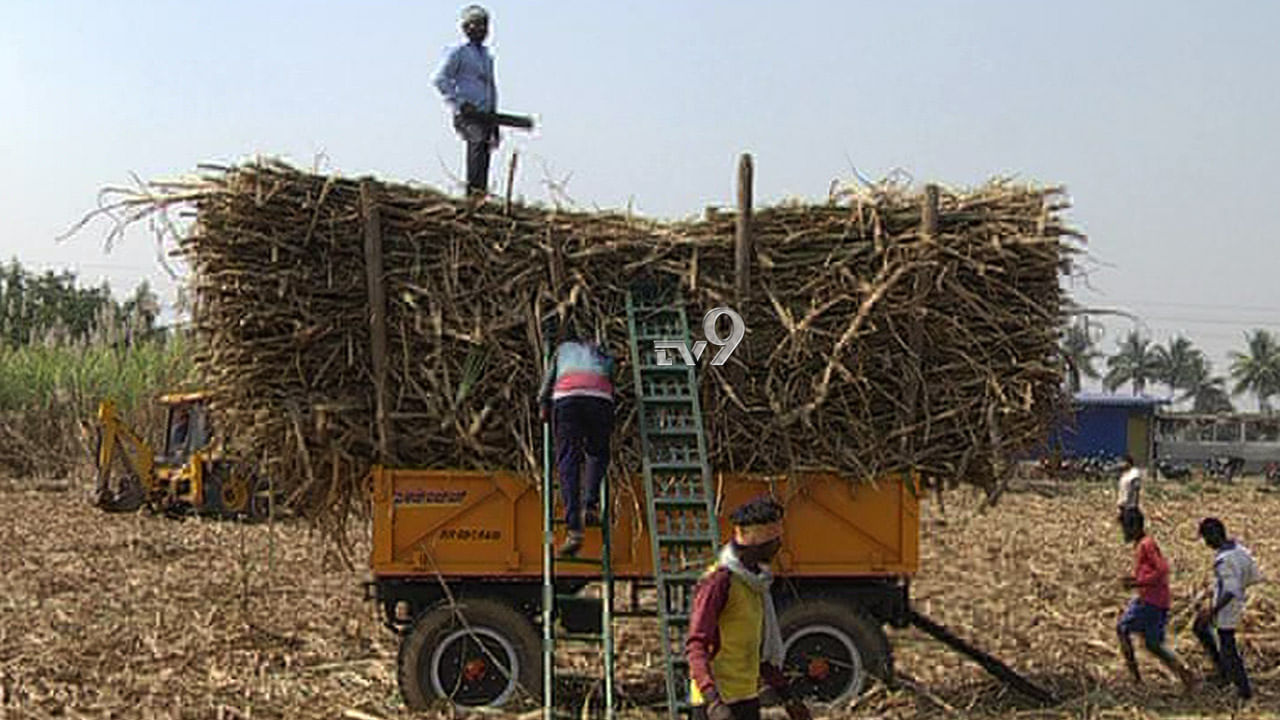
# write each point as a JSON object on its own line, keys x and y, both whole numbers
{"x": 582, "y": 428}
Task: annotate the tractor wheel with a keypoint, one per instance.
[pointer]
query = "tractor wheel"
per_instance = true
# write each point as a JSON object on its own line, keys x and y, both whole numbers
{"x": 491, "y": 661}
{"x": 832, "y": 648}
{"x": 227, "y": 491}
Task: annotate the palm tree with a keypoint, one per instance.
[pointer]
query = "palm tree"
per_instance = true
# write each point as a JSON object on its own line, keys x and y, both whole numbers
{"x": 1134, "y": 363}
{"x": 1258, "y": 370}
{"x": 1079, "y": 351}
{"x": 1176, "y": 361}
{"x": 1207, "y": 392}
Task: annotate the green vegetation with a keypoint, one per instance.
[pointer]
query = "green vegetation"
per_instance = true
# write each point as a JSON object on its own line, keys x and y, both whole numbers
{"x": 73, "y": 378}
{"x": 65, "y": 348}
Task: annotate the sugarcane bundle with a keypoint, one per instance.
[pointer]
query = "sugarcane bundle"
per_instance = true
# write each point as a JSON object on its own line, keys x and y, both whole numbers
{"x": 872, "y": 346}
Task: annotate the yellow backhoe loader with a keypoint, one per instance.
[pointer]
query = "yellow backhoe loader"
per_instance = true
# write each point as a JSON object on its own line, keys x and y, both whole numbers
{"x": 193, "y": 474}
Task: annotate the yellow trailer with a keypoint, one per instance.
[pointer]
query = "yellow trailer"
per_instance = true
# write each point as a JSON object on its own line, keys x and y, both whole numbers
{"x": 474, "y": 539}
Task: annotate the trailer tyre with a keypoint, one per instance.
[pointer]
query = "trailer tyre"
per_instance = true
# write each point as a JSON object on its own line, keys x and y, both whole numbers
{"x": 443, "y": 659}
{"x": 831, "y": 648}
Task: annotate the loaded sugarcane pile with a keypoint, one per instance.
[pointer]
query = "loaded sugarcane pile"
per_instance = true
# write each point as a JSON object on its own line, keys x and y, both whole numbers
{"x": 872, "y": 346}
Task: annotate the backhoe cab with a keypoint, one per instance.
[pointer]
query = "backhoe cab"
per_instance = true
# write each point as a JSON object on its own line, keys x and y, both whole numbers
{"x": 192, "y": 474}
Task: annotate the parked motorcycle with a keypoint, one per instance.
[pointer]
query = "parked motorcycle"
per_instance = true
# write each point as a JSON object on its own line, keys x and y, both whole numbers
{"x": 1223, "y": 467}
{"x": 1173, "y": 469}
{"x": 1272, "y": 473}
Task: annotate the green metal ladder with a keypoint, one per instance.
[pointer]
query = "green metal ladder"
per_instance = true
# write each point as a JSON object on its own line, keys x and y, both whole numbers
{"x": 677, "y": 478}
{"x": 552, "y": 596}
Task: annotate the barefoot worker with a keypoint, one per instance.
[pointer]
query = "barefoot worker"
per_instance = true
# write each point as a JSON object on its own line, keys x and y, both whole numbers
{"x": 1148, "y": 613}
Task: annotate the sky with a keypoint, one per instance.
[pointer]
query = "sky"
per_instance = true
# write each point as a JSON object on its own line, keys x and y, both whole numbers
{"x": 1159, "y": 117}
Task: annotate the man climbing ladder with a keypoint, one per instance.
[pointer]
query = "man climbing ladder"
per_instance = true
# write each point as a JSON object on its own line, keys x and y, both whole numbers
{"x": 578, "y": 384}
{"x": 576, "y": 378}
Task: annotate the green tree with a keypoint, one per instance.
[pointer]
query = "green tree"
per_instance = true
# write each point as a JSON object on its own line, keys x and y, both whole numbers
{"x": 1176, "y": 362}
{"x": 1257, "y": 370}
{"x": 1135, "y": 362}
{"x": 140, "y": 312}
{"x": 34, "y": 307}
{"x": 1207, "y": 392}
{"x": 1079, "y": 351}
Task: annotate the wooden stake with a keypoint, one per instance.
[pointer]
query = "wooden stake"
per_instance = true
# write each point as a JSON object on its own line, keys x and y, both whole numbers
{"x": 915, "y": 333}
{"x": 742, "y": 237}
{"x": 511, "y": 179}
{"x": 377, "y": 316}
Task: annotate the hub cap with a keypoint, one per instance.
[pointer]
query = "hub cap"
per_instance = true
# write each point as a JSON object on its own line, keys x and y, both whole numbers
{"x": 828, "y": 662}
{"x": 467, "y": 667}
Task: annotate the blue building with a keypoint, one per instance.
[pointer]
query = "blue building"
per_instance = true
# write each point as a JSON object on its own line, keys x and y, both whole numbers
{"x": 1109, "y": 425}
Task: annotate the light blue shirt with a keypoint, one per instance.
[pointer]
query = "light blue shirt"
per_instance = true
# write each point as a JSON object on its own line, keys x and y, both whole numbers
{"x": 467, "y": 76}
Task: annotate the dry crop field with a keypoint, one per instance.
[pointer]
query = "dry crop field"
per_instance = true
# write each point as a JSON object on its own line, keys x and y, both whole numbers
{"x": 134, "y": 616}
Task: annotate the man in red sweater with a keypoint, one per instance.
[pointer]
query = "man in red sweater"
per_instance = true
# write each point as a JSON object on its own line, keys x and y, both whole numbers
{"x": 1148, "y": 613}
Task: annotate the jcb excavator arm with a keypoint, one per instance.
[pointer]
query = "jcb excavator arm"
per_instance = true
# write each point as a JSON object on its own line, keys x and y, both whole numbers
{"x": 138, "y": 456}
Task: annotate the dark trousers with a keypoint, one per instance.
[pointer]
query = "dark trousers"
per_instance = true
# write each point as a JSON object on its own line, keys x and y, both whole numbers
{"x": 1226, "y": 657}
{"x": 479, "y": 139}
{"x": 742, "y": 710}
{"x": 583, "y": 426}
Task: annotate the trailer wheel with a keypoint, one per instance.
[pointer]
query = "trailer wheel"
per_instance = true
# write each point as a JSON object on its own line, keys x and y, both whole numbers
{"x": 831, "y": 647}
{"x": 483, "y": 663}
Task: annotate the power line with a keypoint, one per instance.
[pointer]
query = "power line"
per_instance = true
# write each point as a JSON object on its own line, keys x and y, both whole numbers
{"x": 1191, "y": 306}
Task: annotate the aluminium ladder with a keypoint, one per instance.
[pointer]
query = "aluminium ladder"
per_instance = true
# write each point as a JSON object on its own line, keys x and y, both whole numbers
{"x": 677, "y": 478}
{"x": 552, "y": 595}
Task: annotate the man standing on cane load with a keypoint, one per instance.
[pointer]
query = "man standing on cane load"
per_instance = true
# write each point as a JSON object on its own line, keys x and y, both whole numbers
{"x": 734, "y": 637}
{"x": 578, "y": 384}
{"x": 466, "y": 81}
{"x": 1233, "y": 570}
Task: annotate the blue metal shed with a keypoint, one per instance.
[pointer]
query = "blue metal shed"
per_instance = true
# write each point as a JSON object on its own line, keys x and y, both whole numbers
{"x": 1110, "y": 425}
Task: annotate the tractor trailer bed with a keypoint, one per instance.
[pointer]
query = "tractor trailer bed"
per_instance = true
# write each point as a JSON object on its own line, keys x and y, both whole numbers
{"x": 447, "y": 540}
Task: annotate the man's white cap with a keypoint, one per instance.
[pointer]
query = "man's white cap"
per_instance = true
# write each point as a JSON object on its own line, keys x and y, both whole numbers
{"x": 474, "y": 13}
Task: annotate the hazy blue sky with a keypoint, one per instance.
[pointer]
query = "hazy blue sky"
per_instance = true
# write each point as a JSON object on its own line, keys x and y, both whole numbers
{"x": 1161, "y": 118}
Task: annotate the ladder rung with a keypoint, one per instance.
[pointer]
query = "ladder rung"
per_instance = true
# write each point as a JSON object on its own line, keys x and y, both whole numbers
{"x": 691, "y": 431}
{"x": 673, "y": 367}
{"x": 666, "y": 399}
{"x": 687, "y": 578}
{"x": 578, "y": 676}
{"x": 581, "y": 637}
{"x": 680, "y": 501}
{"x": 685, "y": 539}
{"x": 675, "y": 466}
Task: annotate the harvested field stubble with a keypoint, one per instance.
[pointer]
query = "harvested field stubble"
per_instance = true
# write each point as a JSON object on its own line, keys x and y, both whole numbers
{"x": 871, "y": 346}
{"x": 142, "y": 617}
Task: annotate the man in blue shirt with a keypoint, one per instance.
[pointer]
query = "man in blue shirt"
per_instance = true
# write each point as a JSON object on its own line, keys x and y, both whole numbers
{"x": 466, "y": 82}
